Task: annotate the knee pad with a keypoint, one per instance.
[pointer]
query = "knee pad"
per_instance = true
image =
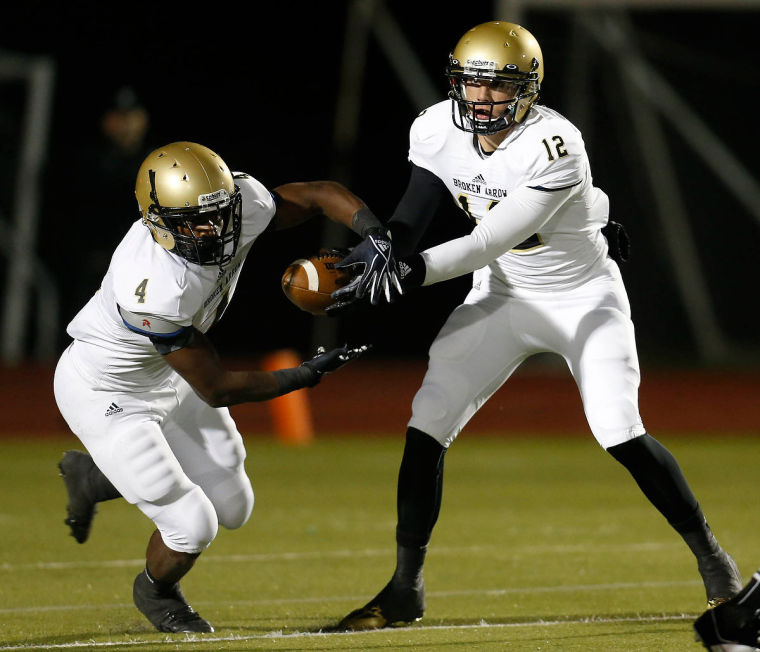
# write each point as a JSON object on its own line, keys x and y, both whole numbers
{"x": 439, "y": 409}
{"x": 431, "y": 405}
{"x": 236, "y": 510}
{"x": 189, "y": 524}
{"x": 231, "y": 496}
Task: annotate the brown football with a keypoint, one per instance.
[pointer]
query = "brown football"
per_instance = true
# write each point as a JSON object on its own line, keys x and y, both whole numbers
{"x": 309, "y": 282}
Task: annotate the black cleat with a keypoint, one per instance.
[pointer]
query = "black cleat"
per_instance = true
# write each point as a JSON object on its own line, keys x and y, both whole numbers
{"x": 75, "y": 467}
{"x": 392, "y": 607}
{"x": 167, "y": 608}
{"x": 729, "y": 627}
{"x": 721, "y": 577}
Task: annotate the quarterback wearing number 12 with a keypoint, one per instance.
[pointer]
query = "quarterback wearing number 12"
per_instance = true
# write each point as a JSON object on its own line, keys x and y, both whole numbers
{"x": 543, "y": 282}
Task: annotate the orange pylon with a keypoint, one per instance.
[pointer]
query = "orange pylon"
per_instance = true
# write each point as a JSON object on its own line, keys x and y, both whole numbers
{"x": 291, "y": 413}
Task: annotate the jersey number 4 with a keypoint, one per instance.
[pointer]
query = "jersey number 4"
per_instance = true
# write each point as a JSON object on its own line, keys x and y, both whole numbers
{"x": 140, "y": 290}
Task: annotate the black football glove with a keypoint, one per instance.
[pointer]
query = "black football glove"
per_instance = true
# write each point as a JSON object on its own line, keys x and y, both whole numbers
{"x": 328, "y": 361}
{"x": 309, "y": 373}
{"x": 411, "y": 274}
{"x": 341, "y": 306}
{"x": 373, "y": 262}
{"x": 617, "y": 240}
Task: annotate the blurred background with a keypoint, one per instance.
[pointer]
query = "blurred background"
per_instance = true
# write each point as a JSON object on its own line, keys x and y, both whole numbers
{"x": 664, "y": 93}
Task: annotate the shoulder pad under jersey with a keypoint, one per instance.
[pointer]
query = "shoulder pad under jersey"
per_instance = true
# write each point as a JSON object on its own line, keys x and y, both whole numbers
{"x": 552, "y": 150}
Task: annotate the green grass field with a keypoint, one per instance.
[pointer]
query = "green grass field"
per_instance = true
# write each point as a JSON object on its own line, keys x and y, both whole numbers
{"x": 542, "y": 544}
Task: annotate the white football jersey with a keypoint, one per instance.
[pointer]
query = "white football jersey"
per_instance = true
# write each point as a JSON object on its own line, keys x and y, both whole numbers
{"x": 545, "y": 151}
{"x": 165, "y": 291}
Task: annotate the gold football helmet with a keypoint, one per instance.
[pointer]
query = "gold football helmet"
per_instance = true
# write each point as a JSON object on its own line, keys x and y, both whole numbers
{"x": 495, "y": 52}
{"x": 190, "y": 203}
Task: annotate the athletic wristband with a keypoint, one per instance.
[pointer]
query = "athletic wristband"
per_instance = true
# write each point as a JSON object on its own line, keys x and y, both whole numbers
{"x": 412, "y": 270}
{"x": 295, "y": 378}
{"x": 364, "y": 221}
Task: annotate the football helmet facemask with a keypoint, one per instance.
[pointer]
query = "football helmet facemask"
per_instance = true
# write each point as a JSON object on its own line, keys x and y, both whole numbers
{"x": 494, "y": 52}
{"x": 189, "y": 202}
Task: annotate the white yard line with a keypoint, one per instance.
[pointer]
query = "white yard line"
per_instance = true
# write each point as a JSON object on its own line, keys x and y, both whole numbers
{"x": 192, "y": 640}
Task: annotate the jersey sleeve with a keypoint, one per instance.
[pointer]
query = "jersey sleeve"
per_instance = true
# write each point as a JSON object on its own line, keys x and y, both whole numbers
{"x": 426, "y": 136}
{"x": 554, "y": 156}
{"x": 259, "y": 205}
{"x": 147, "y": 279}
{"x": 150, "y": 324}
{"x": 166, "y": 336}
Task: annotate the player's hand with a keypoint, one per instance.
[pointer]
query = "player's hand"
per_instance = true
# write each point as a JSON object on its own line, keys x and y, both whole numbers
{"x": 327, "y": 361}
{"x": 342, "y": 305}
{"x": 376, "y": 270}
{"x": 411, "y": 274}
{"x": 618, "y": 242}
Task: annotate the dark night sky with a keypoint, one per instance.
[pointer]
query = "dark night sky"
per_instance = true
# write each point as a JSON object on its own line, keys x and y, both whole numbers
{"x": 258, "y": 85}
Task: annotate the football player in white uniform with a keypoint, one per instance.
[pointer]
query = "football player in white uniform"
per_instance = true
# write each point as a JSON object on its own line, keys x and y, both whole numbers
{"x": 543, "y": 282}
{"x": 142, "y": 386}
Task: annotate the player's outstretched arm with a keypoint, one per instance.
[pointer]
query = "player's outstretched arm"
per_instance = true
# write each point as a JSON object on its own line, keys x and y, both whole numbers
{"x": 524, "y": 212}
{"x": 199, "y": 364}
{"x": 300, "y": 201}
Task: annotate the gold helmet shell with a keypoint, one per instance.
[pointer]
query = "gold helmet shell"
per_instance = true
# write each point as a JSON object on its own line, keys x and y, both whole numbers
{"x": 495, "y": 51}
{"x": 181, "y": 186}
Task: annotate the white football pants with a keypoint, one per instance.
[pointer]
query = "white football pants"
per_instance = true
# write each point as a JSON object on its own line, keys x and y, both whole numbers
{"x": 166, "y": 451}
{"x": 487, "y": 337}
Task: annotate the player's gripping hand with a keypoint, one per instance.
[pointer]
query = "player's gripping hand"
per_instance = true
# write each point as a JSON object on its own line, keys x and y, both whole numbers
{"x": 326, "y": 362}
{"x": 373, "y": 262}
{"x": 411, "y": 274}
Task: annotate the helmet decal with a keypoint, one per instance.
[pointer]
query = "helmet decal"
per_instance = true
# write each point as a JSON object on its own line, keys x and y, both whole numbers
{"x": 216, "y": 197}
{"x": 481, "y": 63}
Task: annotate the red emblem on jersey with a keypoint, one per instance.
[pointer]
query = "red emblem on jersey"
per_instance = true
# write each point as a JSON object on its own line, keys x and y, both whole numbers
{"x": 146, "y": 323}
